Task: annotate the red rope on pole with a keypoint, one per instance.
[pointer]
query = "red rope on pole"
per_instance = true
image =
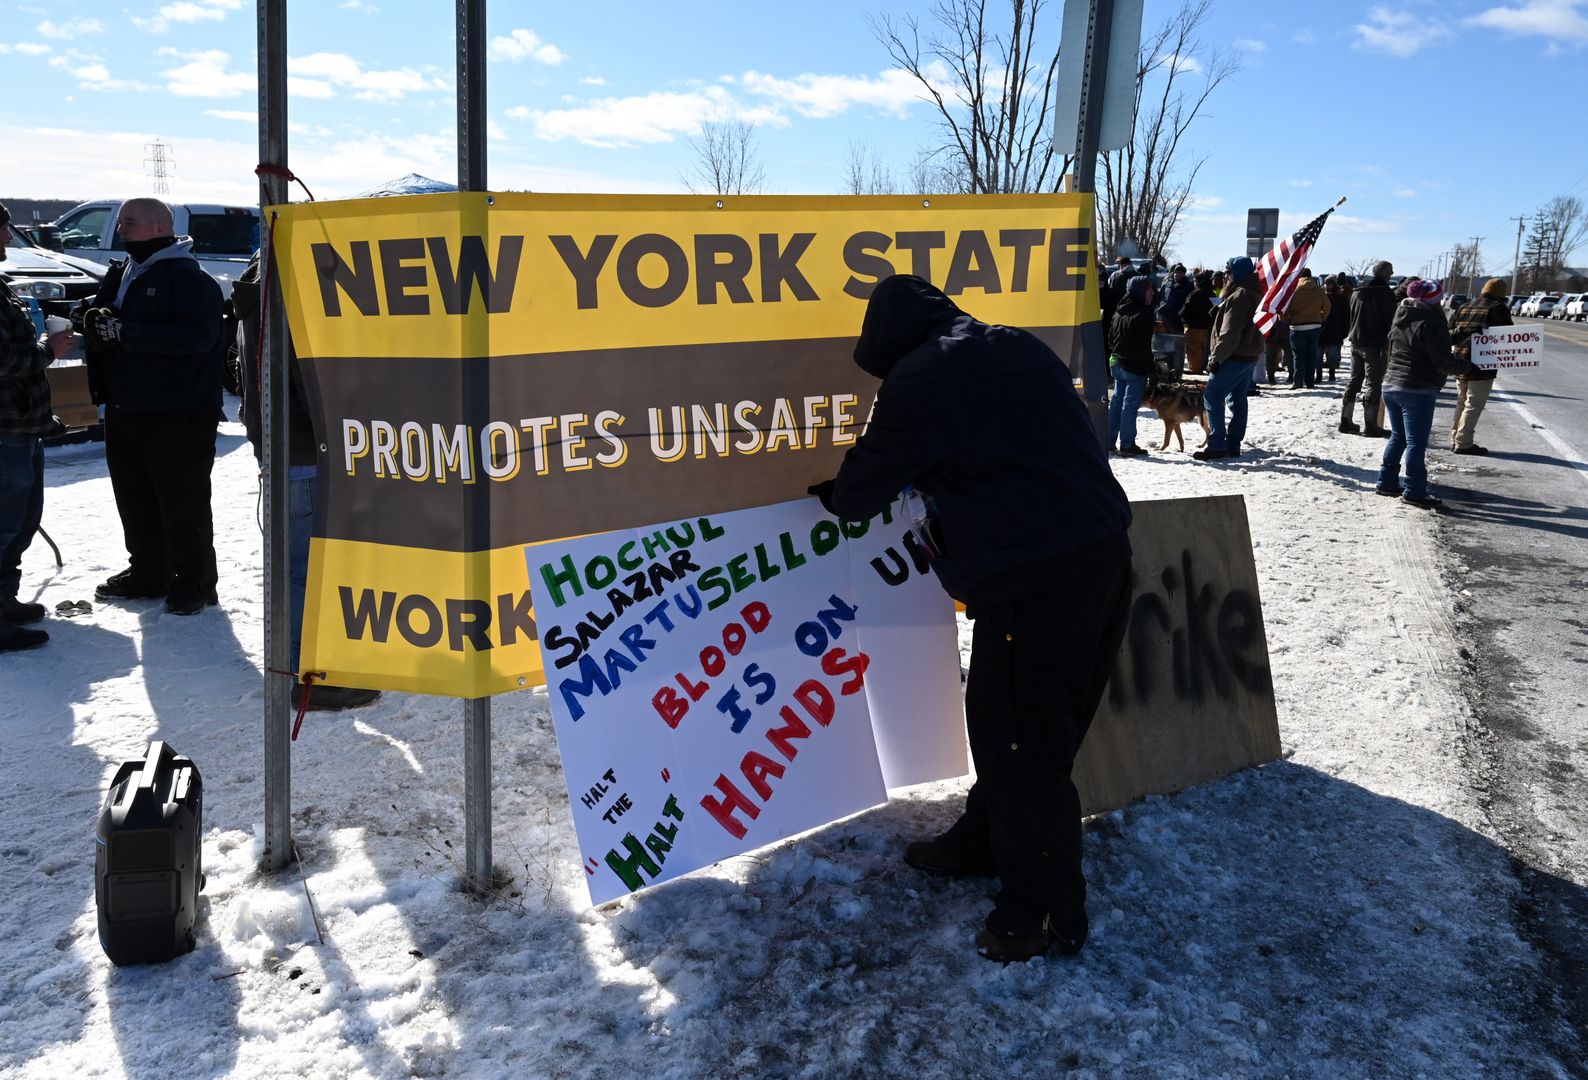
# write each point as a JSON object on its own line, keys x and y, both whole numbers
{"x": 265, "y": 168}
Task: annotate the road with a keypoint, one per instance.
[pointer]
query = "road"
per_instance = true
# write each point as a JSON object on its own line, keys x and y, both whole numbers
{"x": 1518, "y": 524}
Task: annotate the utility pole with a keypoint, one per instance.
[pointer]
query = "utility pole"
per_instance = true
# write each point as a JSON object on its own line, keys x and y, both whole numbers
{"x": 1473, "y": 267}
{"x": 1516, "y": 265}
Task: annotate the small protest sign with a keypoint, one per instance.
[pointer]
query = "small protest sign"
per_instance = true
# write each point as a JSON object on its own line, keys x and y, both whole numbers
{"x": 1508, "y": 347}
{"x": 716, "y": 682}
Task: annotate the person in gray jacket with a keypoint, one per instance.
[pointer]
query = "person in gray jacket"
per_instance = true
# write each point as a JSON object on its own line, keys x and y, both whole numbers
{"x": 1420, "y": 359}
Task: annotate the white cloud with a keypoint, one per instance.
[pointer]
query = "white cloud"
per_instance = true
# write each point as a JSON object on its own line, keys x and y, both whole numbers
{"x": 71, "y": 28}
{"x": 1556, "y": 19}
{"x": 1251, "y": 45}
{"x": 205, "y": 75}
{"x": 1301, "y": 183}
{"x": 525, "y": 45}
{"x": 1180, "y": 63}
{"x": 360, "y": 6}
{"x": 817, "y": 96}
{"x": 1399, "y": 33}
{"x": 1304, "y": 37}
{"x": 494, "y": 132}
{"x": 1406, "y": 193}
{"x": 650, "y": 118}
{"x": 317, "y": 75}
{"x": 592, "y": 80}
{"x": 92, "y": 74}
{"x": 25, "y": 48}
{"x": 755, "y": 97}
{"x": 233, "y": 114}
{"x": 1204, "y": 202}
{"x": 187, "y": 11}
{"x": 1345, "y": 223}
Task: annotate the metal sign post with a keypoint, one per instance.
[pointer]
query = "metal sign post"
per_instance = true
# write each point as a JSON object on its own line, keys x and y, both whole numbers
{"x": 1095, "y": 111}
{"x": 1262, "y": 229}
{"x": 275, "y": 400}
{"x": 478, "y": 876}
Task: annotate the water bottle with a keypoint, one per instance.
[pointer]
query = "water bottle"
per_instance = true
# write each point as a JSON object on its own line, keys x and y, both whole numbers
{"x": 920, "y": 511}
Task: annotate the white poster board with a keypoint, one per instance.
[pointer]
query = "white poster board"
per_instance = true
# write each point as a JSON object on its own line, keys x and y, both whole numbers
{"x": 716, "y": 682}
{"x": 1508, "y": 347}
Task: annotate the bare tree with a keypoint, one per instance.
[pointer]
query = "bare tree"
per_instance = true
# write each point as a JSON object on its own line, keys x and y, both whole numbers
{"x": 1465, "y": 264}
{"x": 1567, "y": 226}
{"x": 727, "y": 160}
{"x": 1360, "y": 267}
{"x": 865, "y": 174}
{"x": 992, "y": 88}
{"x": 1147, "y": 185}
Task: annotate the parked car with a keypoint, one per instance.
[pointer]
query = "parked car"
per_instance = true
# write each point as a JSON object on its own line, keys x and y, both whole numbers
{"x": 56, "y": 282}
{"x": 1539, "y": 307}
{"x": 1453, "y": 302}
{"x": 224, "y": 237}
{"x": 1578, "y": 308}
{"x": 1516, "y": 303}
{"x": 1561, "y": 307}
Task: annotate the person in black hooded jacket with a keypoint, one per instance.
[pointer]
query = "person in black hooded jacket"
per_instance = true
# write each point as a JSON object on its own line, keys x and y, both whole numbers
{"x": 1029, "y": 531}
{"x": 1130, "y": 362}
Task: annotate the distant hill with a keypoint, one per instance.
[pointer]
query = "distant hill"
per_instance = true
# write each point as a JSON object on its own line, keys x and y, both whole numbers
{"x": 33, "y": 211}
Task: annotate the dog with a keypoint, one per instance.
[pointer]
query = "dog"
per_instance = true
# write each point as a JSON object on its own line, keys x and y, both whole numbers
{"x": 1176, "y": 403}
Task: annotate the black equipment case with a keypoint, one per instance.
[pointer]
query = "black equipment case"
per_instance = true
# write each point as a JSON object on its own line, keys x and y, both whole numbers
{"x": 148, "y": 868}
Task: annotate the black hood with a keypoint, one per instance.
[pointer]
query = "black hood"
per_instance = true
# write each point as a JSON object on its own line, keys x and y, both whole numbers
{"x": 904, "y": 313}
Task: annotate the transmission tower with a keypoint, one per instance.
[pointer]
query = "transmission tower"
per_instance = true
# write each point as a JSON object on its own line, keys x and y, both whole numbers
{"x": 157, "y": 161}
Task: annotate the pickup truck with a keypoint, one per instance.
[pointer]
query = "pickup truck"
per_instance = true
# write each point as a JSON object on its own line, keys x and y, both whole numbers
{"x": 224, "y": 237}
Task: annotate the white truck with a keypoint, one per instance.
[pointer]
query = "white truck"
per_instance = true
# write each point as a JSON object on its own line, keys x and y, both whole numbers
{"x": 224, "y": 237}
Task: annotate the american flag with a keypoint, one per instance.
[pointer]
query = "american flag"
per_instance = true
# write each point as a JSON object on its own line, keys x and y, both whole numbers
{"x": 1280, "y": 269}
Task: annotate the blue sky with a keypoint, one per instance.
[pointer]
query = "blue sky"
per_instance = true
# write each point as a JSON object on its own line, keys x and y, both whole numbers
{"x": 1438, "y": 121}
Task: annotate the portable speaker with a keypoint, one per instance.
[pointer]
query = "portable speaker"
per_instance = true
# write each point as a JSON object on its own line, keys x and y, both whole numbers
{"x": 148, "y": 868}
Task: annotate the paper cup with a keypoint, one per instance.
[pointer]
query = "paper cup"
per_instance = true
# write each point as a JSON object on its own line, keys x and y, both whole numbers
{"x": 54, "y": 324}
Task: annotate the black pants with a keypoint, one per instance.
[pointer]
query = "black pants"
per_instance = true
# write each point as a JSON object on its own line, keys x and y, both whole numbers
{"x": 1038, "y": 668}
{"x": 160, "y": 472}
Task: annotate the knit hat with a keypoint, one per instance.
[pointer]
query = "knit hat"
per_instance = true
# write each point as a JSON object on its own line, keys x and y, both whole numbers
{"x": 1203, "y": 278}
{"x": 1239, "y": 268}
{"x": 1426, "y": 291}
{"x": 1383, "y": 269}
{"x": 1495, "y": 287}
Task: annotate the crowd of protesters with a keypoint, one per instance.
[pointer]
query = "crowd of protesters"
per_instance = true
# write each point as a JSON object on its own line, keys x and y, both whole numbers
{"x": 1403, "y": 348}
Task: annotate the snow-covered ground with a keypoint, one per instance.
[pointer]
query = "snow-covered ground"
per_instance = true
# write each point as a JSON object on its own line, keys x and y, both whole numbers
{"x": 1341, "y": 912}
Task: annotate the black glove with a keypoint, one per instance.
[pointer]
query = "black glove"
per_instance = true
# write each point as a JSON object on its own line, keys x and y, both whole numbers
{"x": 1213, "y": 368}
{"x": 102, "y": 329}
{"x": 824, "y": 492}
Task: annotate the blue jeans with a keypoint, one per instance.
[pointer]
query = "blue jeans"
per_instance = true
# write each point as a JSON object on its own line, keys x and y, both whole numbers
{"x": 1229, "y": 383}
{"x": 300, "y": 527}
{"x": 1123, "y": 404}
{"x": 21, "y": 505}
{"x": 1307, "y": 357}
{"x": 1411, "y": 419}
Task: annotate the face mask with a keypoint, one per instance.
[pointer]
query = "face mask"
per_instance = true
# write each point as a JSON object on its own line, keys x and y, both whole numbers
{"x": 142, "y": 249}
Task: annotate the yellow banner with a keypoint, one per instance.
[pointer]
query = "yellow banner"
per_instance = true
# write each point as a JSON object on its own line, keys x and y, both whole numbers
{"x": 488, "y": 372}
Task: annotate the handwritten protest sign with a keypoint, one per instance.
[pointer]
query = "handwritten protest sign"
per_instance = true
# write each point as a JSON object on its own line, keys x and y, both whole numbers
{"x": 488, "y": 371}
{"x": 1508, "y": 347}
{"x": 715, "y": 682}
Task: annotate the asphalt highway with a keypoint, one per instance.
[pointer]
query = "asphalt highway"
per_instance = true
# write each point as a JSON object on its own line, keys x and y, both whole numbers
{"x": 1517, "y": 523}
